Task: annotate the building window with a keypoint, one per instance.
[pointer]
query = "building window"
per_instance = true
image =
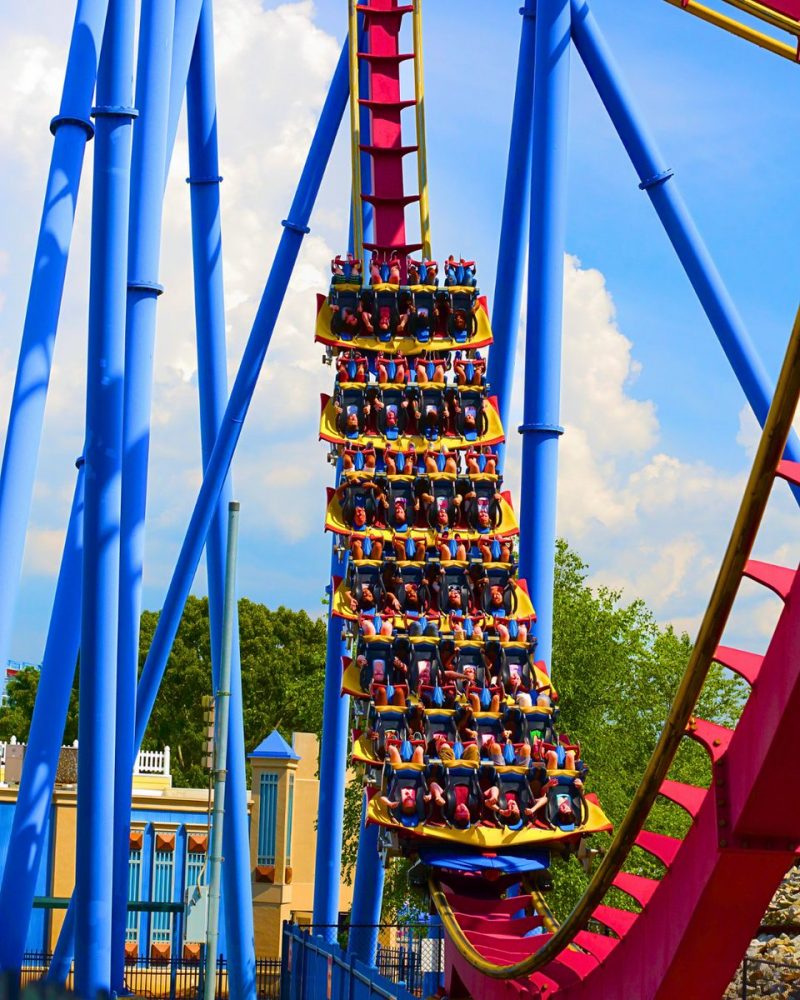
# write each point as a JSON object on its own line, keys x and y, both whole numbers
{"x": 289, "y": 811}
{"x": 267, "y": 819}
{"x": 134, "y": 894}
{"x": 194, "y": 866}
{"x": 163, "y": 879}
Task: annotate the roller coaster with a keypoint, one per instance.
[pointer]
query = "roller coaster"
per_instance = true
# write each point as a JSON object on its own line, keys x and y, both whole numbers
{"x": 441, "y": 587}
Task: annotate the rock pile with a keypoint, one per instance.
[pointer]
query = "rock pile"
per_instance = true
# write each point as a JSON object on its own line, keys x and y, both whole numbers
{"x": 773, "y": 959}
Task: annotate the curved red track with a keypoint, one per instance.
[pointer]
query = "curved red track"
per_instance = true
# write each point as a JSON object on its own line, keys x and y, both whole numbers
{"x": 696, "y": 922}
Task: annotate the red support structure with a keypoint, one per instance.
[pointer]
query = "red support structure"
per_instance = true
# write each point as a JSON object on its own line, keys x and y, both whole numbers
{"x": 383, "y": 23}
{"x": 742, "y": 841}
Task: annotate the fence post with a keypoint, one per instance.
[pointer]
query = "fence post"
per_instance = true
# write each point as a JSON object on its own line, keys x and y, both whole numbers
{"x": 201, "y": 976}
{"x": 173, "y": 976}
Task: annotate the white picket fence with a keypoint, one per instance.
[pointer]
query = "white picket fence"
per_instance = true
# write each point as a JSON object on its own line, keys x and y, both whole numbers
{"x": 3, "y": 745}
{"x": 153, "y": 762}
{"x": 148, "y": 762}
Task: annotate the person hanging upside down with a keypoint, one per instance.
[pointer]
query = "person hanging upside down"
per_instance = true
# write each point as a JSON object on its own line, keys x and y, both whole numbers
{"x": 474, "y": 461}
{"x": 394, "y": 758}
{"x": 383, "y": 364}
{"x": 351, "y": 423}
{"x": 435, "y": 795}
{"x": 374, "y": 544}
{"x": 474, "y": 699}
{"x": 566, "y": 808}
{"x": 379, "y": 685}
{"x": 461, "y": 367}
{"x": 429, "y": 368}
{"x": 551, "y": 760}
{"x": 540, "y": 802}
{"x": 486, "y": 547}
{"x": 446, "y": 755}
{"x": 376, "y": 276}
{"x": 461, "y": 320}
{"x": 365, "y": 456}
{"x": 464, "y": 723}
{"x": 351, "y": 367}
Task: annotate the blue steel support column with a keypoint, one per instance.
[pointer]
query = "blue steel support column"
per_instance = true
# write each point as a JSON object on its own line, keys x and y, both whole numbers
{"x": 295, "y": 228}
{"x": 514, "y": 230}
{"x": 369, "y": 868}
{"x": 367, "y": 892}
{"x": 541, "y": 428}
{"x": 26, "y": 842}
{"x": 201, "y": 106}
{"x": 332, "y": 764}
{"x": 105, "y": 366}
{"x": 71, "y": 129}
{"x": 144, "y": 245}
{"x": 187, "y": 17}
{"x": 657, "y": 180}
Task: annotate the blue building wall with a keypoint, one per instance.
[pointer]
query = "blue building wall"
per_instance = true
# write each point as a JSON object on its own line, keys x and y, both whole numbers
{"x": 39, "y": 925}
{"x": 153, "y": 821}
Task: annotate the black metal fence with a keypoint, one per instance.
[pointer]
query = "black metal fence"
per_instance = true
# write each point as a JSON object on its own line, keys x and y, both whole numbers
{"x": 764, "y": 977}
{"x": 171, "y": 979}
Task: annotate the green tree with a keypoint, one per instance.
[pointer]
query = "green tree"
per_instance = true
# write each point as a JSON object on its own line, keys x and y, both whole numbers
{"x": 283, "y": 673}
{"x": 17, "y": 707}
{"x": 283, "y": 676}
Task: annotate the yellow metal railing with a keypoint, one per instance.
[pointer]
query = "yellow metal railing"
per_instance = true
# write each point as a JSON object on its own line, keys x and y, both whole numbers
{"x": 745, "y": 31}
{"x": 751, "y": 511}
{"x": 355, "y": 133}
{"x": 422, "y": 147}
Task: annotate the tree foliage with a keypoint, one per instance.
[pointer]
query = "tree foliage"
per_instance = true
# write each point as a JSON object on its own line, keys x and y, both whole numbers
{"x": 16, "y": 710}
{"x": 283, "y": 675}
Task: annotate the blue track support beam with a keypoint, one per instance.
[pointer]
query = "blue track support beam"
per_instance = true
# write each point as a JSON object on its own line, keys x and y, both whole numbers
{"x": 658, "y": 181}
{"x": 204, "y": 183}
{"x": 105, "y": 367}
{"x": 366, "y": 873}
{"x": 26, "y": 842}
{"x": 295, "y": 228}
{"x": 72, "y": 129}
{"x": 144, "y": 252}
{"x": 187, "y": 18}
{"x": 541, "y": 428}
{"x": 367, "y": 893}
{"x": 332, "y": 766}
{"x": 514, "y": 230}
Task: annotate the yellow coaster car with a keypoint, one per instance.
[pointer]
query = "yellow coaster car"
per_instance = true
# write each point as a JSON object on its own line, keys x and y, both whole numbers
{"x": 406, "y": 803}
{"x": 409, "y": 417}
{"x": 421, "y": 653}
{"x": 347, "y": 508}
{"x": 347, "y": 604}
{"x": 480, "y": 334}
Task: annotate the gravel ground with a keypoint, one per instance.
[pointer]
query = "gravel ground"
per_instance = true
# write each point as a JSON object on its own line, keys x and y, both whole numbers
{"x": 765, "y": 979}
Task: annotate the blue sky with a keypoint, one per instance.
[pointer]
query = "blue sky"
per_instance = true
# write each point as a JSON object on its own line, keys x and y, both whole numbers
{"x": 657, "y": 443}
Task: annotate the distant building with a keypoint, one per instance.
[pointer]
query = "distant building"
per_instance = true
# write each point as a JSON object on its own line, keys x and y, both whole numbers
{"x": 169, "y": 845}
{"x": 12, "y": 668}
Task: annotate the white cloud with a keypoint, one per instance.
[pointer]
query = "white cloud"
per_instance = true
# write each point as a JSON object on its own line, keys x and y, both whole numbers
{"x": 650, "y": 523}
